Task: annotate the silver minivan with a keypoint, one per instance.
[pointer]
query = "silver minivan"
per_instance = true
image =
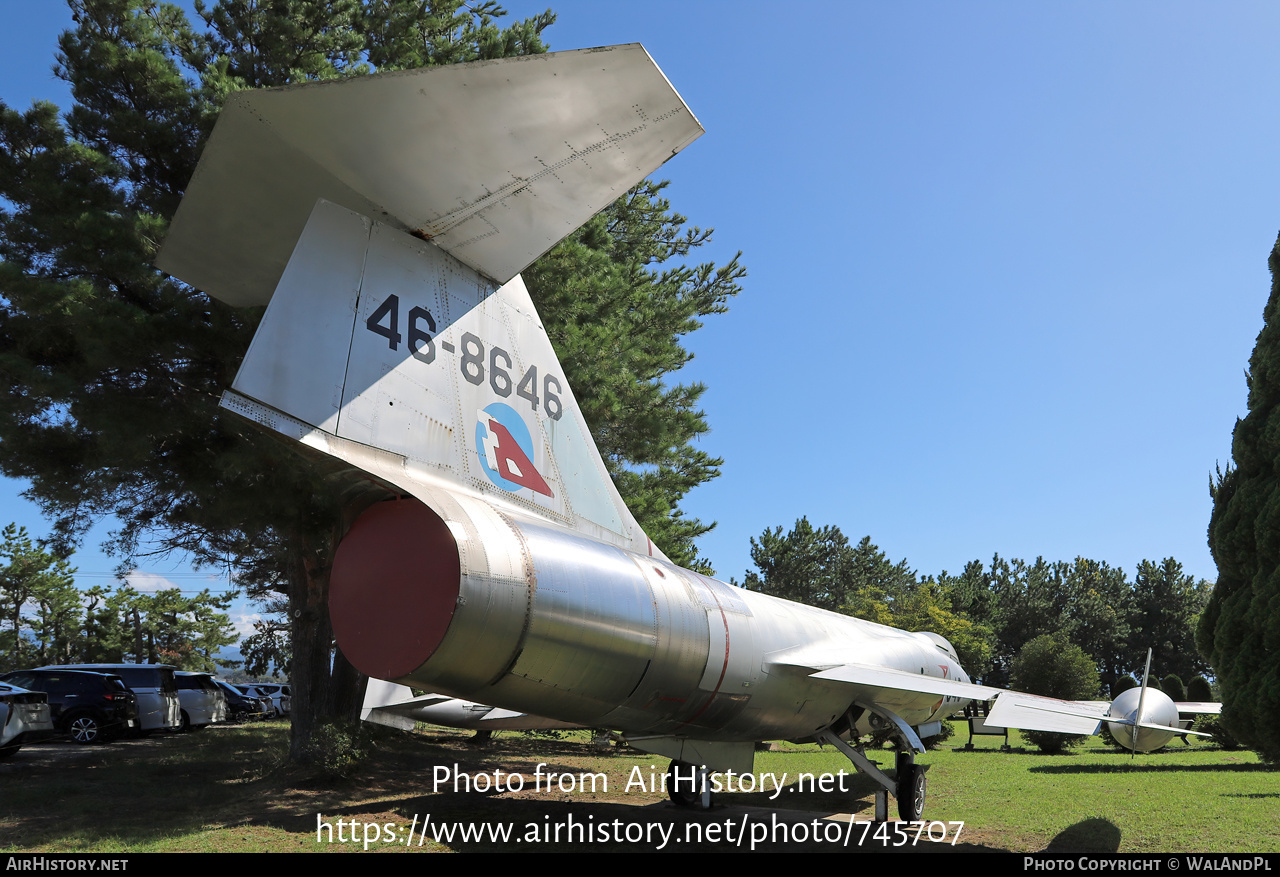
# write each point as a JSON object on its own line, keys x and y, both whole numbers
{"x": 155, "y": 686}
{"x": 202, "y": 702}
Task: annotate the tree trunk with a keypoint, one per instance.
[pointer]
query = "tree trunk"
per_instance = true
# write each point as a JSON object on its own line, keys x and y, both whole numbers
{"x": 348, "y": 687}
{"x": 324, "y": 683}
{"x": 309, "y": 676}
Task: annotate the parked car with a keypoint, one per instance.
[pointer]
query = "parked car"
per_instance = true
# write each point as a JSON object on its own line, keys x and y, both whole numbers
{"x": 90, "y": 707}
{"x": 268, "y": 709}
{"x": 158, "y": 706}
{"x": 281, "y": 699}
{"x": 202, "y": 702}
{"x": 24, "y": 716}
{"x": 241, "y": 706}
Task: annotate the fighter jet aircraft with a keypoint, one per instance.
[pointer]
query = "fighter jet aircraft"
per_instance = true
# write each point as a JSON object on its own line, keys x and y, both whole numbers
{"x": 385, "y": 219}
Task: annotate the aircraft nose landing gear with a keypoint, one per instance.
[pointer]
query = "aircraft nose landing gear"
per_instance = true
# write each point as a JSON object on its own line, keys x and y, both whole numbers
{"x": 907, "y": 783}
{"x": 687, "y": 785}
{"x": 910, "y": 789}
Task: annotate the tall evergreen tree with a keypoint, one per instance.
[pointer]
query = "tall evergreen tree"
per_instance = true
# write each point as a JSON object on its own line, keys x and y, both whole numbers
{"x": 111, "y": 372}
{"x": 1166, "y": 607}
{"x": 1029, "y": 600}
{"x": 1239, "y": 631}
{"x": 1098, "y": 608}
{"x": 187, "y": 632}
{"x": 616, "y": 308}
{"x": 39, "y": 603}
{"x": 808, "y": 565}
{"x": 819, "y": 567}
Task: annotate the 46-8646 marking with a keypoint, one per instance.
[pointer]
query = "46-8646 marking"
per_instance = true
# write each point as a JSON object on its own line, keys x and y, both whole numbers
{"x": 420, "y": 329}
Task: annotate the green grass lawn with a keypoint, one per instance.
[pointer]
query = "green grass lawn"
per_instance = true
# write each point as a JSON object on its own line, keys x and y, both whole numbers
{"x": 230, "y": 790}
{"x": 1184, "y": 799}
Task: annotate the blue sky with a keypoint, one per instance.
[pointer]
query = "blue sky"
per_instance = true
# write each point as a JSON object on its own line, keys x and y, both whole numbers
{"x": 1007, "y": 262}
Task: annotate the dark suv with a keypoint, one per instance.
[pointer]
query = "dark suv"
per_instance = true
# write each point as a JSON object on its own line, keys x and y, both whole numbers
{"x": 91, "y": 707}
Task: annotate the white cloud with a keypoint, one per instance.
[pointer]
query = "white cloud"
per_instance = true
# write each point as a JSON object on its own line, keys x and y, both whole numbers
{"x": 243, "y": 622}
{"x": 147, "y": 582}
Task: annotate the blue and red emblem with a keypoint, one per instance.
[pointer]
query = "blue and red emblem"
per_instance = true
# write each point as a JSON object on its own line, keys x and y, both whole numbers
{"x": 505, "y": 449}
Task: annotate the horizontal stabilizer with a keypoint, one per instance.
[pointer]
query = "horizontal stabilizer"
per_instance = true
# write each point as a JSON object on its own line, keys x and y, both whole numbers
{"x": 1030, "y": 712}
{"x": 1156, "y": 727}
{"x": 1199, "y": 707}
{"x": 494, "y": 162}
{"x": 379, "y": 693}
{"x": 387, "y": 703}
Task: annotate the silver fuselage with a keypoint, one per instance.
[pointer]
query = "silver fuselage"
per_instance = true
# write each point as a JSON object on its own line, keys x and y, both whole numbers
{"x": 556, "y": 624}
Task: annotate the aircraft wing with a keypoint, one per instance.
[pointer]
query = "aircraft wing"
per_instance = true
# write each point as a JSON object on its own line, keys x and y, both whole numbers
{"x": 901, "y": 680}
{"x": 1013, "y": 709}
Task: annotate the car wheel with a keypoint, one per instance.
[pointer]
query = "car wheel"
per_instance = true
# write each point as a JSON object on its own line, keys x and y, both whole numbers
{"x": 186, "y": 721}
{"x": 85, "y": 730}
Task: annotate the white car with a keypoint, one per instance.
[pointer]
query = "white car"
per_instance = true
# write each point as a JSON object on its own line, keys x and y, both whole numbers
{"x": 202, "y": 702}
{"x": 24, "y": 716}
{"x": 281, "y": 699}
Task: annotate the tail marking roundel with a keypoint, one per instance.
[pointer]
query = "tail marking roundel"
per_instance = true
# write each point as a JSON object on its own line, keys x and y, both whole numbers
{"x": 505, "y": 449}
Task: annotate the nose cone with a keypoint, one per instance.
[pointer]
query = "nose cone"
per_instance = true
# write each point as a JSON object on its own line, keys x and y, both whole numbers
{"x": 1157, "y": 709}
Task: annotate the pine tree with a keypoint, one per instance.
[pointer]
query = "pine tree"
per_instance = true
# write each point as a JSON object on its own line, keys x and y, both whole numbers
{"x": 1098, "y": 603}
{"x": 39, "y": 603}
{"x": 1029, "y": 602}
{"x": 616, "y": 310}
{"x": 1166, "y": 606}
{"x": 808, "y": 565}
{"x": 1239, "y": 632}
{"x": 818, "y": 567}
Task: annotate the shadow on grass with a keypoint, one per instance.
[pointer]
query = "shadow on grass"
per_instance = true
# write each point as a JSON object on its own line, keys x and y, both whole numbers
{"x": 1139, "y": 767}
{"x": 1096, "y": 835}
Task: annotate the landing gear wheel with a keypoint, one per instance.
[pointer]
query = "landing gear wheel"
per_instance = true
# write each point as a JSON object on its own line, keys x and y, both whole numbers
{"x": 911, "y": 788}
{"x": 682, "y": 784}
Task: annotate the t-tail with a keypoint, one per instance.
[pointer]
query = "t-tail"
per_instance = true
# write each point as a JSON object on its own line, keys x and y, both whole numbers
{"x": 385, "y": 218}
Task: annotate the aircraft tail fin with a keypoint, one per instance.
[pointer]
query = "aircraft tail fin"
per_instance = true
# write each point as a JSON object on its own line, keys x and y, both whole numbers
{"x": 409, "y": 365}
